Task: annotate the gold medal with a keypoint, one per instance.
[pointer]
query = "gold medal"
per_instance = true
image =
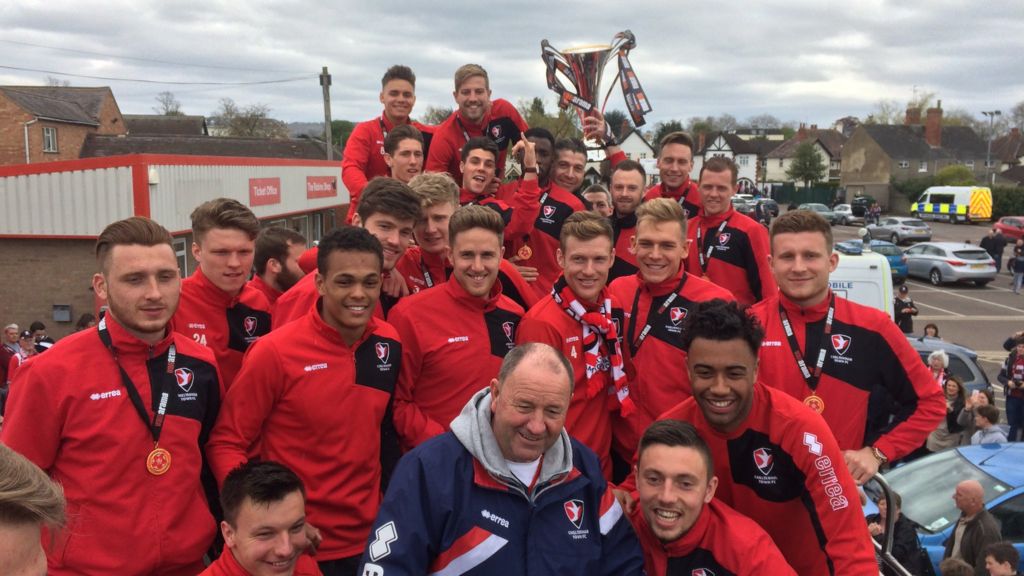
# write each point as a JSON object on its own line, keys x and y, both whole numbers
{"x": 814, "y": 402}
{"x": 158, "y": 462}
{"x": 524, "y": 253}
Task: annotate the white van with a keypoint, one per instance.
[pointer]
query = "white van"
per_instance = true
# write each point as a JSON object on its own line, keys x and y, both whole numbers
{"x": 864, "y": 278}
{"x": 954, "y": 204}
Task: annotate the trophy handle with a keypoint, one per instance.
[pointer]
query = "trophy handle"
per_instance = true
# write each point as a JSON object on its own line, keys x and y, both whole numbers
{"x": 555, "y": 61}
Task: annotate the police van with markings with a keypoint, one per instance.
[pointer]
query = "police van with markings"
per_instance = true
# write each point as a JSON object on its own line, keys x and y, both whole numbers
{"x": 956, "y": 204}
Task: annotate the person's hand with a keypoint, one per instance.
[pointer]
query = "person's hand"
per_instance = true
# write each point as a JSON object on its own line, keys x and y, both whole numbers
{"x": 394, "y": 285}
{"x": 314, "y": 537}
{"x": 492, "y": 186}
{"x": 875, "y": 529}
{"x": 529, "y": 273}
{"x": 625, "y": 500}
{"x": 862, "y": 464}
{"x": 527, "y": 152}
{"x": 594, "y": 126}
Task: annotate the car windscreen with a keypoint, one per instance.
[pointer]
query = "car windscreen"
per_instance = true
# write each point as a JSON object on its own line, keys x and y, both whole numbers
{"x": 887, "y": 250}
{"x": 914, "y": 223}
{"x": 971, "y": 255}
{"x": 927, "y": 487}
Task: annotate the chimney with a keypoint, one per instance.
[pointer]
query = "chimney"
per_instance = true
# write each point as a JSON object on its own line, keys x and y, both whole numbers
{"x": 913, "y": 117}
{"x": 801, "y": 133}
{"x": 1015, "y": 132}
{"x": 814, "y": 127}
{"x": 933, "y": 126}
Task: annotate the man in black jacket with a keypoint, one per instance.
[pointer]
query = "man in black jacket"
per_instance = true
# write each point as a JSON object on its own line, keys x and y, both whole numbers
{"x": 975, "y": 529}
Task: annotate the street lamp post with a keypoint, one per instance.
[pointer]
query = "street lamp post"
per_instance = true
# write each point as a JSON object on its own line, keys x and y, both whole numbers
{"x": 988, "y": 155}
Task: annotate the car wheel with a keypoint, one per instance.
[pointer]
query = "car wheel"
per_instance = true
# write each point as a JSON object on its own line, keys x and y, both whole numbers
{"x": 842, "y": 221}
{"x": 935, "y": 277}
{"x": 895, "y": 239}
{"x": 981, "y": 283}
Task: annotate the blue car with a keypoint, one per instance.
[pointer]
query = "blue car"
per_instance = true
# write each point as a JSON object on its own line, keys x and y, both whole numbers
{"x": 892, "y": 253}
{"x": 927, "y": 487}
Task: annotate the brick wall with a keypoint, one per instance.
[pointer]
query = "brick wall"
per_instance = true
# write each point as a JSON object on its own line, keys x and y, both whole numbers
{"x": 12, "y": 134}
{"x": 36, "y": 274}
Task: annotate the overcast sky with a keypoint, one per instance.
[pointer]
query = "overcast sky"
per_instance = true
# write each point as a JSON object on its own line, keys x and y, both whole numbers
{"x": 807, "y": 61}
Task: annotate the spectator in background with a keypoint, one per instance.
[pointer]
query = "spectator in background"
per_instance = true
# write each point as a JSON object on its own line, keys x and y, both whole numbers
{"x": 42, "y": 340}
{"x": 28, "y": 501}
{"x": 938, "y": 362}
{"x": 1017, "y": 265}
{"x": 1001, "y": 559}
{"x": 931, "y": 331}
{"x": 86, "y": 320}
{"x": 955, "y": 567}
{"x": 8, "y": 349}
{"x": 905, "y": 310}
{"x": 599, "y": 199}
{"x": 1012, "y": 377}
{"x": 994, "y": 243}
{"x": 977, "y": 398}
{"x": 985, "y": 419}
{"x": 905, "y": 546}
{"x": 947, "y": 434}
{"x": 26, "y": 349}
{"x": 975, "y": 529}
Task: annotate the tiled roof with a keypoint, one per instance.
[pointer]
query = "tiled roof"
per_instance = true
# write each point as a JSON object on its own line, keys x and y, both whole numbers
{"x": 165, "y": 124}
{"x": 831, "y": 140}
{"x": 62, "y": 103}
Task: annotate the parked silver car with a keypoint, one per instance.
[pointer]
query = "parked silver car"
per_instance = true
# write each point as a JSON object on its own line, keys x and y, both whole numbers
{"x": 845, "y": 216}
{"x": 820, "y": 209}
{"x": 940, "y": 262}
{"x": 897, "y": 229}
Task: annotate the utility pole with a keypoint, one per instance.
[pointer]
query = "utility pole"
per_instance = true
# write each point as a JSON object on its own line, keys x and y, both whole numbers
{"x": 988, "y": 155}
{"x": 325, "y": 81}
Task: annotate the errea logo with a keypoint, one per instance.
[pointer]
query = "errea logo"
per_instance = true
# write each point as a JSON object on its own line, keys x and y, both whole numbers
{"x": 104, "y": 395}
{"x": 315, "y": 367}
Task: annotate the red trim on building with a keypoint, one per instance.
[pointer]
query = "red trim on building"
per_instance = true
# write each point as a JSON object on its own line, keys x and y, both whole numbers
{"x": 45, "y": 237}
{"x": 140, "y": 190}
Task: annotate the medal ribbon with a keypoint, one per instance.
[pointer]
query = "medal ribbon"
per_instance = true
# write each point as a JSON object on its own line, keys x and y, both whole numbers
{"x": 705, "y": 254}
{"x": 634, "y": 345}
{"x": 526, "y": 237}
{"x": 809, "y": 377}
{"x": 157, "y": 425}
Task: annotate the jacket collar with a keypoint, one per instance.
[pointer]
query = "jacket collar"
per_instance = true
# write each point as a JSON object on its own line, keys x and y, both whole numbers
{"x": 709, "y": 221}
{"x": 466, "y": 299}
{"x": 665, "y": 287}
{"x": 212, "y": 292}
{"x": 328, "y": 332}
{"x": 809, "y": 313}
{"x": 125, "y": 343}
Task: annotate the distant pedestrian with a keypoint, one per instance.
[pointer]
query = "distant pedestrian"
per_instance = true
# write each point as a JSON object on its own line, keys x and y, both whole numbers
{"x": 994, "y": 243}
{"x": 931, "y": 331}
{"x": 905, "y": 310}
{"x": 1017, "y": 265}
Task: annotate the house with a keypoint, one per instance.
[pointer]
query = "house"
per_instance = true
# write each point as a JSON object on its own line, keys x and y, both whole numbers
{"x": 827, "y": 143}
{"x": 166, "y": 124}
{"x": 770, "y": 134}
{"x": 635, "y": 147}
{"x": 878, "y": 154}
{"x": 744, "y": 153}
{"x": 50, "y": 123}
{"x": 1013, "y": 176}
{"x": 1008, "y": 150}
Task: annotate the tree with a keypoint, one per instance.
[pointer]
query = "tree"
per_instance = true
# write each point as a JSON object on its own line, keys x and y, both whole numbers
{"x": 168, "y": 105}
{"x": 434, "y": 115}
{"x": 807, "y": 165}
{"x": 563, "y": 124}
{"x": 661, "y": 129}
{"x": 1016, "y": 115}
{"x": 725, "y": 123}
{"x": 340, "y": 131}
{"x": 764, "y": 121}
{"x": 252, "y": 121}
{"x": 955, "y": 175}
{"x": 618, "y": 122}
{"x": 57, "y": 82}
{"x": 885, "y": 112}
{"x": 958, "y": 117}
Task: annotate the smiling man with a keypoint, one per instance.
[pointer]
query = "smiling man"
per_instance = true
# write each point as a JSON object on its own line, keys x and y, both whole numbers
{"x": 284, "y": 391}
{"x": 455, "y": 336}
{"x": 682, "y": 527}
{"x": 479, "y": 156}
{"x": 583, "y": 320}
{"x": 675, "y": 160}
{"x": 775, "y": 459}
{"x": 219, "y": 309}
{"x": 477, "y": 115}
{"x": 627, "y": 190}
{"x": 727, "y": 247}
{"x": 403, "y": 152}
{"x": 119, "y": 414}
{"x": 506, "y": 491}
{"x": 570, "y": 164}
{"x": 659, "y": 298}
{"x": 365, "y": 154}
{"x": 264, "y": 524}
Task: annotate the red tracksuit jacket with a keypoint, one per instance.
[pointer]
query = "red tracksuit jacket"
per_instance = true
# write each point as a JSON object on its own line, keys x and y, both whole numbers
{"x": 226, "y": 565}
{"x": 661, "y": 376}
{"x": 722, "y": 541}
{"x": 69, "y": 413}
{"x": 739, "y": 257}
{"x": 869, "y": 365}
{"x": 589, "y": 419}
{"x": 625, "y": 259}
{"x": 556, "y": 204}
{"x": 225, "y": 324}
{"x": 783, "y": 469}
{"x": 416, "y": 266}
{"x": 363, "y": 158}
{"x": 271, "y": 293}
{"x": 687, "y": 195}
{"x": 502, "y": 124}
{"x": 318, "y": 406}
{"x": 453, "y": 345}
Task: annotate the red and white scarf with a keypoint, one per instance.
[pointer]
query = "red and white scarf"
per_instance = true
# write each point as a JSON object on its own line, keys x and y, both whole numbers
{"x": 598, "y": 329}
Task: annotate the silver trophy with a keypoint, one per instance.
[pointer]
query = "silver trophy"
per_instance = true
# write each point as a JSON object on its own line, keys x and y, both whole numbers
{"x": 583, "y": 66}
